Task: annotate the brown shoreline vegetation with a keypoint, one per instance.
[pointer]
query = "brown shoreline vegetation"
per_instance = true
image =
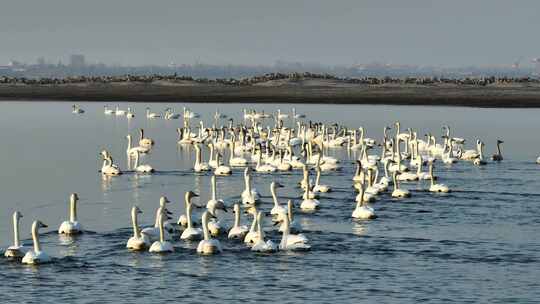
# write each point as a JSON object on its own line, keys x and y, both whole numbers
{"x": 281, "y": 88}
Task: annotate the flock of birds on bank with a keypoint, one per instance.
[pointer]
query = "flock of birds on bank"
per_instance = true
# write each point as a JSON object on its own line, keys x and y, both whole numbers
{"x": 255, "y": 147}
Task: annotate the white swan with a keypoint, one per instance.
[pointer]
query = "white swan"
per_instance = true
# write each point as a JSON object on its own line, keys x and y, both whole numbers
{"x": 109, "y": 168}
{"x": 277, "y": 210}
{"x": 153, "y": 232}
{"x": 145, "y": 168}
{"x": 318, "y": 187}
{"x": 139, "y": 241}
{"x": 263, "y": 168}
{"x": 72, "y": 226}
{"x": 250, "y": 196}
{"x": 190, "y": 233}
{"x": 222, "y": 170}
{"x": 434, "y": 187}
{"x": 309, "y": 204}
{"x": 199, "y": 164}
{"x": 17, "y": 250}
{"x": 261, "y": 245}
{"x": 208, "y": 245}
{"x": 119, "y": 112}
{"x": 362, "y": 210}
{"x": 252, "y": 235}
{"x": 108, "y": 111}
{"x": 162, "y": 245}
{"x": 144, "y": 141}
{"x": 294, "y": 225}
{"x": 293, "y": 241}
{"x": 131, "y": 151}
{"x": 151, "y": 115}
{"x": 237, "y": 231}
{"x": 36, "y": 256}
{"x": 130, "y": 114}
{"x": 236, "y": 161}
{"x": 399, "y": 193}
{"x": 213, "y": 205}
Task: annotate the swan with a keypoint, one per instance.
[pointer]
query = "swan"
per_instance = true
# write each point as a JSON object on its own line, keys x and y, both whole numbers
{"x": 237, "y": 231}
{"x": 213, "y": 205}
{"x": 36, "y": 256}
{"x": 208, "y": 245}
{"x": 108, "y": 168}
{"x": 222, "y": 170}
{"x": 119, "y": 112}
{"x": 151, "y": 115}
{"x": 236, "y": 161}
{"x": 17, "y": 250}
{"x": 358, "y": 174}
{"x": 250, "y": 195}
{"x": 199, "y": 164}
{"x": 498, "y": 156}
{"x": 399, "y": 193}
{"x": 297, "y": 115}
{"x": 309, "y": 203}
{"x": 142, "y": 168}
{"x": 130, "y": 113}
{"x": 318, "y": 187}
{"x": 144, "y": 141}
{"x": 479, "y": 161}
{"x": 190, "y": 233}
{"x": 162, "y": 245}
{"x": 292, "y": 241}
{"x": 76, "y": 109}
{"x": 72, "y": 226}
{"x": 471, "y": 154}
{"x": 362, "y": 210}
{"x": 294, "y": 226}
{"x": 153, "y": 232}
{"x": 434, "y": 186}
{"x": 139, "y": 241}
{"x": 252, "y": 236}
{"x": 263, "y": 168}
{"x": 261, "y": 245}
{"x": 108, "y": 111}
{"x": 131, "y": 151}
{"x": 277, "y": 210}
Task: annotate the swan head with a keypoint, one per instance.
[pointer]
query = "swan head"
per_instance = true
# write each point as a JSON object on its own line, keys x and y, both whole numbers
{"x": 74, "y": 197}
{"x": 163, "y": 200}
{"x": 137, "y": 210}
{"x": 17, "y": 215}
{"x": 39, "y": 224}
{"x": 190, "y": 195}
{"x": 499, "y": 141}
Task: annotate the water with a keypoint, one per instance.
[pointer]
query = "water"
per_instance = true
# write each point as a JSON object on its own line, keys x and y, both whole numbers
{"x": 477, "y": 244}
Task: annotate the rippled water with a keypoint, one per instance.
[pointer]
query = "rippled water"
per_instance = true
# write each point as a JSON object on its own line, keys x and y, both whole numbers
{"x": 477, "y": 244}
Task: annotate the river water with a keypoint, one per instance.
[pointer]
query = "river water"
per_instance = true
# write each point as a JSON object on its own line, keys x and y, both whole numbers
{"x": 479, "y": 243}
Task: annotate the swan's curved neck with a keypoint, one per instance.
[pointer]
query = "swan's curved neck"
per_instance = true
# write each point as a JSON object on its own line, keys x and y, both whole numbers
{"x": 135, "y": 223}
{"x": 360, "y": 202}
{"x": 198, "y": 156}
{"x": 16, "y": 240}
{"x": 214, "y": 187}
{"x": 136, "y": 159}
{"x": 73, "y": 210}
{"x": 236, "y": 216}
{"x": 274, "y": 196}
{"x": 205, "y": 226}
{"x": 260, "y": 231}
{"x": 129, "y": 142}
{"x": 396, "y": 183}
{"x": 35, "y": 237}
{"x": 318, "y": 178}
{"x": 431, "y": 174}
{"x": 161, "y": 230}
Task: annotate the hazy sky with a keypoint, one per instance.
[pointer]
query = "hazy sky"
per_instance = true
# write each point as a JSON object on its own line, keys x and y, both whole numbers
{"x": 425, "y": 32}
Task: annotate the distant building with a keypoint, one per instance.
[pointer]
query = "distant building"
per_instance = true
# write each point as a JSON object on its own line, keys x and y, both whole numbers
{"x": 77, "y": 61}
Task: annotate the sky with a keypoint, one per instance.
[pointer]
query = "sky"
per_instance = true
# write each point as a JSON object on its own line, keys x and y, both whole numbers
{"x": 143, "y": 32}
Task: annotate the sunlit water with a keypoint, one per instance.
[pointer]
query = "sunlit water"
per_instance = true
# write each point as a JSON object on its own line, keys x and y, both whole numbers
{"x": 479, "y": 243}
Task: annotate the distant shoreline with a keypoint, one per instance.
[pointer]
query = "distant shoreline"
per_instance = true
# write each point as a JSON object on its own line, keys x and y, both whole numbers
{"x": 304, "y": 92}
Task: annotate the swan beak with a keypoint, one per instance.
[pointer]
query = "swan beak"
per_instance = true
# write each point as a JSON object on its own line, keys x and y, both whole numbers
{"x": 276, "y": 223}
{"x": 44, "y": 226}
{"x": 168, "y": 212}
{"x": 195, "y": 194}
